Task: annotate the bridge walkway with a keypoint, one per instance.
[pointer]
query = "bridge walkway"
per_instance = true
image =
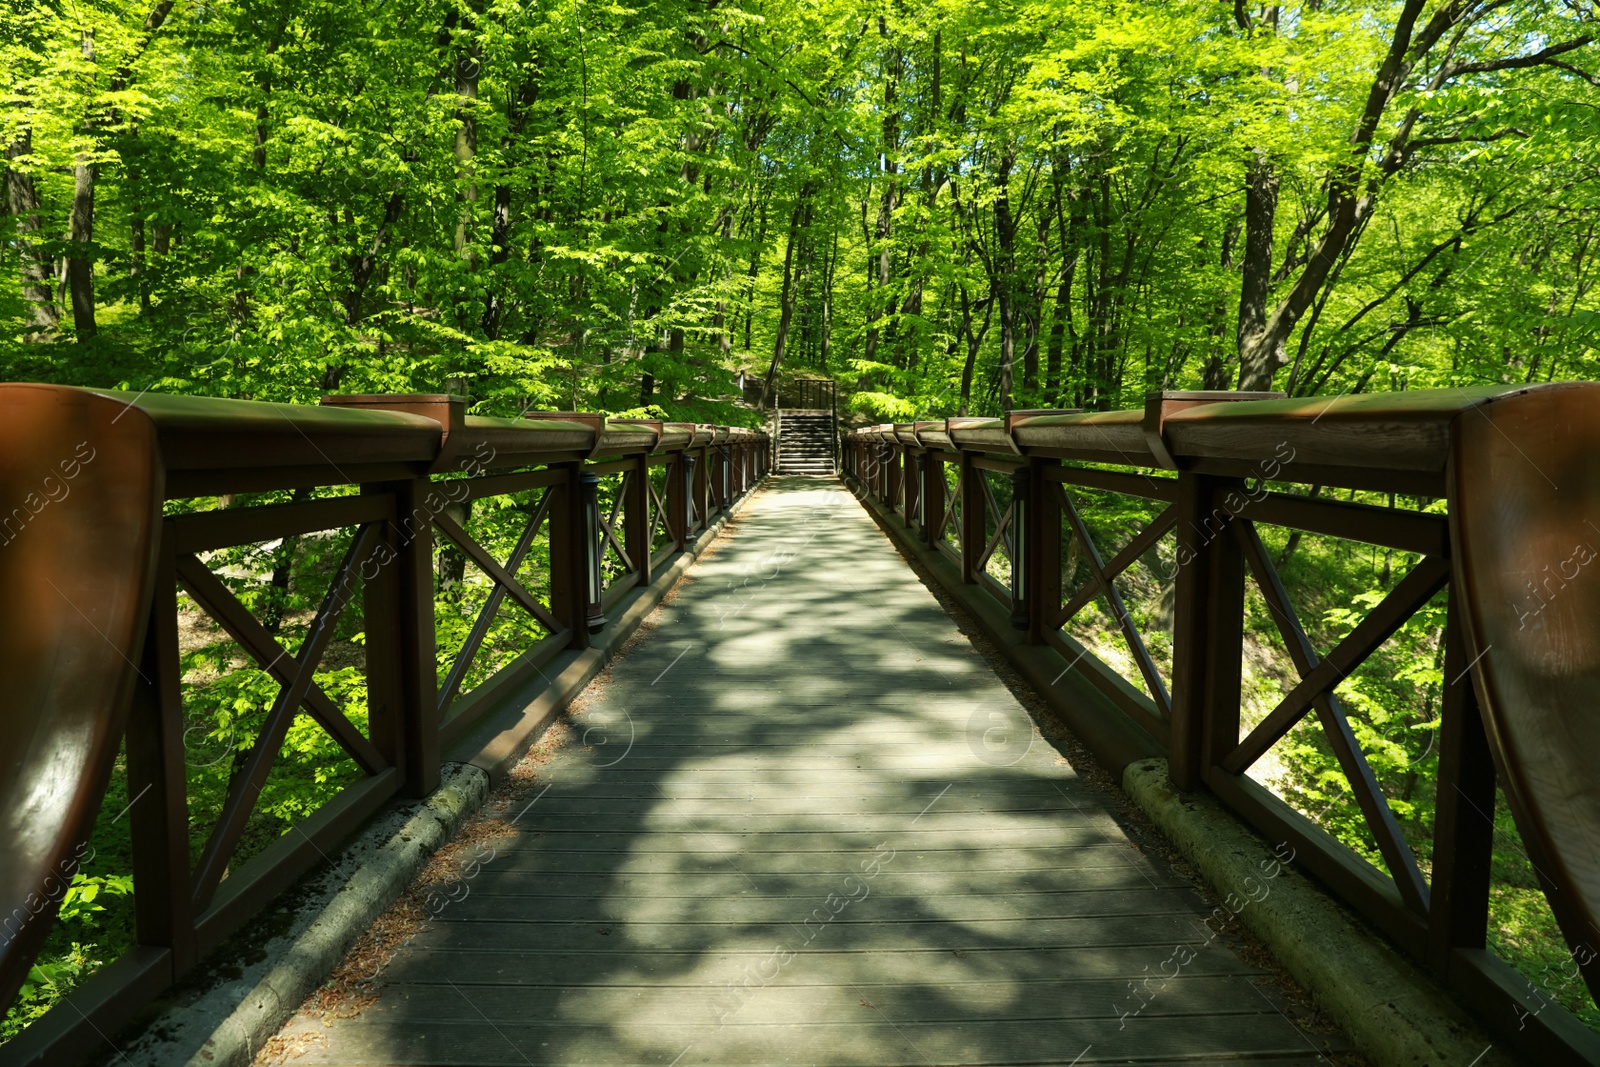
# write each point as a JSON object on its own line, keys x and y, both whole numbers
{"x": 802, "y": 821}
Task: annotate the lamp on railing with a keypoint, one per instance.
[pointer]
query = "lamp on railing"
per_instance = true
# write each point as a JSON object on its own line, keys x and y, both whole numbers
{"x": 594, "y": 549}
{"x": 1019, "y": 547}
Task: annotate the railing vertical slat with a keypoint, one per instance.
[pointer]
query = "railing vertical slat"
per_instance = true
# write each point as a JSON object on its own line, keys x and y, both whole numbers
{"x": 1043, "y": 541}
{"x": 636, "y": 517}
{"x": 418, "y": 681}
{"x": 702, "y": 486}
{"x": 1022, "y": 547}
{"x": 568, "y": 561}
{"x": 973, "y": 538}
{"x": 932, "y": 497}
{"x": 1208, "y": 631}
{"x": 1463, "y": 829}
{"x": 678, "y": 499}
{"x": 380, "y": 611}
{"x": 158, "y": 813}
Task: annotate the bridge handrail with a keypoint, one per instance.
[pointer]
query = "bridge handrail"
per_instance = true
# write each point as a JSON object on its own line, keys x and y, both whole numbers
{"x": 92, "y": 566}
{"x": 1519, "y": 468}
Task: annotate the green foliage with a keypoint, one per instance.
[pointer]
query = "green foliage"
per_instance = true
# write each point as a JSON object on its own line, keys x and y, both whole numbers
{"x": 947, "y": 207}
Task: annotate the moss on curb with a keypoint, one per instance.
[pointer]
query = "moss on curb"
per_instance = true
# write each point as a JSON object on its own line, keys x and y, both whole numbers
{"x": 1395, "y": 1014}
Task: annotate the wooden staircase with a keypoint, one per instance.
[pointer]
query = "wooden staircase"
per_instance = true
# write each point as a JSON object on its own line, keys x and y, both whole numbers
{"x": 807, "y": 428}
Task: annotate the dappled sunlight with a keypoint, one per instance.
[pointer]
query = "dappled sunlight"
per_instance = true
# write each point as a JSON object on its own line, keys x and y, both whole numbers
{"x": 803, "y": 822}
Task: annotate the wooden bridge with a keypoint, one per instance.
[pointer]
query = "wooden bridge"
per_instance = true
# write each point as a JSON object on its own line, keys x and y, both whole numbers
{"x": 819, "y": 830}
{"x": 803, "y": 820}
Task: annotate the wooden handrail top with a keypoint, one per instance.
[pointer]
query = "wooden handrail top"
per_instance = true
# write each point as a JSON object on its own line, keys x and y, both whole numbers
{"x": 1398, "y": 441}
{"x": 212, "y": 445}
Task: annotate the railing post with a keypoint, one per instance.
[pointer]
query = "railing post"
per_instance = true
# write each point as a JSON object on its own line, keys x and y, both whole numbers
{"x": 1208, "y": 630}
{"x": 717, "y": 477}
{"x": 636, "y": 517}
{"x": 1022, "y": 547}
{"x": 833, "y": 424}
{"x": 593, "y": 552}
{"x": 1463, "y": 828}
{"x": 917, "y": 488}
{"x": 400, "y": 602}
{"x": 910, "y": 485}
{"x": 568, "y": 561}
{"x": 1044, "y": 549}
{"x": 159, "y": 822}
{"x": 933, "y": 490}
{"x": 401, "y": 654}
{"x": 972, "y": 511}
{"x": 700, "y": 472}
{"x": 895, "y": 497}
{"x": 680, "y": 487}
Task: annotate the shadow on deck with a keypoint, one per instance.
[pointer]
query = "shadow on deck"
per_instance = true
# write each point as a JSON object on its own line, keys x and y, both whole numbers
{"x": 802, "y": 821}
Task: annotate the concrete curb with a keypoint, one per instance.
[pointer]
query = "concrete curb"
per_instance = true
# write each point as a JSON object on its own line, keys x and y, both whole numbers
{"x": 333, "y": 911}
{"x": 1395, "y": 1015}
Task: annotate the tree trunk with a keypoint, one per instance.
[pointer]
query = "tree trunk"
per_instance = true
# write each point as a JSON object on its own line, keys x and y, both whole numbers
{"x": 80, "y": 234}
{"x": 78, "y": 265}
{"x": 786, "y": 297}
{"x": 80, "y": 261}
{"x": 890, "y": 200}
{"x": 755, "y": 270}
{"x": 1003, "y": 282}
{"x": 500, "y": 238}
{"x": 22, "y": 197}
{"x": 364, "y": 264}
{"x": 826, "y": 344}
{"x": 138, "y": 269}
{"x": 974, "y": 343}
{"x": 1260, "y": 355}
{"x": 468, "y": 68}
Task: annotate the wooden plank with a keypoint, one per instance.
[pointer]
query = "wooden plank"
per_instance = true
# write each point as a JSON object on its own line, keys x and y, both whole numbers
{"x": 568, "y": 970}
{"x": 1084, "y": 998}
{"x": 617, "y": 887}
{"x": 962, "y": 908}
{"x": 809, "y": 754}
{"x": 471, "y": 1037}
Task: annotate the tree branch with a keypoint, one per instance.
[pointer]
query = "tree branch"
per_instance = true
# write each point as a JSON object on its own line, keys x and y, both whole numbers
{"x": 1533, "y": 59}
{"x": 1463, "y": 138}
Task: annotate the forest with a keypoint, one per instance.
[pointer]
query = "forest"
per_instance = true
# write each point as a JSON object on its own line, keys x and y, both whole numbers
{"x": 949, "y": 207}
{"x": 946, "y": 207}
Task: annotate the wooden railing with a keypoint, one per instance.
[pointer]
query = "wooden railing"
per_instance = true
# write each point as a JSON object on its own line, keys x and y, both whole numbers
{"x": 114, "y": 506}
{"x": 809, "y": 394}
{"x": 1474, "y": 487}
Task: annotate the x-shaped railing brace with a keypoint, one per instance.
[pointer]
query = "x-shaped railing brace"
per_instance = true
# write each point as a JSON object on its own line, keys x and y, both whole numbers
{"x": 298, "y": 689}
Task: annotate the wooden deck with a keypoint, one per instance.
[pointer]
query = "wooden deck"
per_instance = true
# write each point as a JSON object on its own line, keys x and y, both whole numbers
{"x": 816, "y": 829}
